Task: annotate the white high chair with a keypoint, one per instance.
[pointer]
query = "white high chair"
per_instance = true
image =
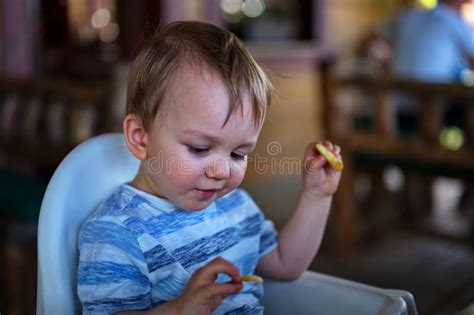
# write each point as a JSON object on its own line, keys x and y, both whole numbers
{"x": 90, "y": 173}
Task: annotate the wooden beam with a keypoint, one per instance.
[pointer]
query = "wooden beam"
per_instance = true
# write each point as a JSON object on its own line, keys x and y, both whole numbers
{"x": 94, "y": 95}
{"x": 451, "y": 90}
{"x": 410, "y": 149}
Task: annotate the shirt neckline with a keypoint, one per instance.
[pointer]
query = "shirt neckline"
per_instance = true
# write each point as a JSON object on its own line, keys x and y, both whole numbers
{"x": 158, "y": 202}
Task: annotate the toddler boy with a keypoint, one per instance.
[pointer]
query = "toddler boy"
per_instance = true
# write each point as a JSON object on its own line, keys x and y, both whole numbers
{"x": 177, "y": 238}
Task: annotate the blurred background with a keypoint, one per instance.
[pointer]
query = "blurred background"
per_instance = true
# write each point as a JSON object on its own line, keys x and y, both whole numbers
{"x": 403, "y": 217}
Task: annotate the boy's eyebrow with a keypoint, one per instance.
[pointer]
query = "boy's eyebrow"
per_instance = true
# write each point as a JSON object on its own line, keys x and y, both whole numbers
{"x": 249, "y": 145}
{"x": 199, "y": 133}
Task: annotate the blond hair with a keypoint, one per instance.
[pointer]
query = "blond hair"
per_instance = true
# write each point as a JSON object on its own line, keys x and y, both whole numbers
{"x": 198, "y": 43}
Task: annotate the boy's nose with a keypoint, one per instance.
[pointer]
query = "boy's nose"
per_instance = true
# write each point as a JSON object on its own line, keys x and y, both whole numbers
{"x": 219, "y": 169}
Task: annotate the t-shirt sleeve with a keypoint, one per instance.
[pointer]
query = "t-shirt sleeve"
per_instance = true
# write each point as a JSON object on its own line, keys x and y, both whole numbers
{"x": 268, "y": 233}
{"x": 268, "y": 238}
{"x": 112, "y": 271}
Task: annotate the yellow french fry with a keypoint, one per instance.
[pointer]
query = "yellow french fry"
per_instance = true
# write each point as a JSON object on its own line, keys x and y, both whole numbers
{"x": 252, "y": 278}
{"x": 335, "y": 162}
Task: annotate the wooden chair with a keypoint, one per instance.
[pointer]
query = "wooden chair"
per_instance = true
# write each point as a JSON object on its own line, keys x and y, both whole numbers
{"x": 383, "y": 145}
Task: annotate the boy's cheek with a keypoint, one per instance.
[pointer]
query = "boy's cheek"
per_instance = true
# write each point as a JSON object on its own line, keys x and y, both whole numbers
{"x": 236, "y": 179}
{"x": 239, "y": 169}
{"x": 186, "y": 167}
{"x": 183, "y": 178}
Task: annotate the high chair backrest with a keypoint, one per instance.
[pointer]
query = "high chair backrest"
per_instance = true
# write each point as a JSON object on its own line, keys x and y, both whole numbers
{"x": 84, "y": 178}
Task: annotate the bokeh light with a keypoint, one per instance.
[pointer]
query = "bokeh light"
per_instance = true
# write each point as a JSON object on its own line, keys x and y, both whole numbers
{"x": 451, "y": 138}
{"x": 109, "y": 33}
{"x": 231, "y": 6}
{"x": 253, "y": 8}
{"x": 428, "y": 4}
{"x": 467, "y": 77}
{"x": 101, "y": 18}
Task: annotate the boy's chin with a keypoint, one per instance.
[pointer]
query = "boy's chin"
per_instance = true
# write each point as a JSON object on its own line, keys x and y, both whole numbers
{"x": 194, "y": 206}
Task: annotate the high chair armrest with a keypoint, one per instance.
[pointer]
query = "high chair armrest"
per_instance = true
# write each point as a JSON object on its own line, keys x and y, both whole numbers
{"x": 315, "y": 293}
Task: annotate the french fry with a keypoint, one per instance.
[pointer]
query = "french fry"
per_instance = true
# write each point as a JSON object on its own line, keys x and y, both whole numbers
{"x": 335, "y": 162}
{"x": 252, "y": 278}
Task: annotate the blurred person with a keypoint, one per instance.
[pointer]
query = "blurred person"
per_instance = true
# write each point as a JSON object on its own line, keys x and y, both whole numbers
{"x": 431, "y": 46}
{"x": 434, "y": 45}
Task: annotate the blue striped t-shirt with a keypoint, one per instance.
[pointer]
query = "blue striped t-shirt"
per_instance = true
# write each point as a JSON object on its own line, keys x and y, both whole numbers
{"x": 138, "y": 250}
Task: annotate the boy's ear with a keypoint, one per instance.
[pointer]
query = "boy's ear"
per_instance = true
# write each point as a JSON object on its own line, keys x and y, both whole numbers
{"x": 135, "y": 136}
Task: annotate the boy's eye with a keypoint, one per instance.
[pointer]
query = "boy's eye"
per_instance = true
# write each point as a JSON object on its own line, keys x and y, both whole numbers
{"x": 238, "y": 156}
{"x": 198, "y": 150}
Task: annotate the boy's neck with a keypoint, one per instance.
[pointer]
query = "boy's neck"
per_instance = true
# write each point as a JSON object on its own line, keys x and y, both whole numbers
{"x": 143, "y": 183}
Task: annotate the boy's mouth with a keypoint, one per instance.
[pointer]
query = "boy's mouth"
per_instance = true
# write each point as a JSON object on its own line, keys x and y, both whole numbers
{"x": 207, "y": 193}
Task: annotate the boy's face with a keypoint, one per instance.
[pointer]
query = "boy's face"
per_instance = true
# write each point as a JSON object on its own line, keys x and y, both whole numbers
{"x": 192, "y": 157}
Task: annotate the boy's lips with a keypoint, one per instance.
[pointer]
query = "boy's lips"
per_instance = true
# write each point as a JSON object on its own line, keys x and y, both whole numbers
{"x": 207, "y": 192}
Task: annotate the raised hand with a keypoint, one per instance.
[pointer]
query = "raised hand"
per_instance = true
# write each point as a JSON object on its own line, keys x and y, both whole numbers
{"x": 319, "y": 177}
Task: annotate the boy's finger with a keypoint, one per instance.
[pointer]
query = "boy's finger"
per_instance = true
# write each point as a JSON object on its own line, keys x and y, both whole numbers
{"x": 329, "y": 145}
{"x": 310, "y": 153}
{"x": 313, "y": 161}
{"x": 209, "y": 272}
{"x": 314, "y": 164}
